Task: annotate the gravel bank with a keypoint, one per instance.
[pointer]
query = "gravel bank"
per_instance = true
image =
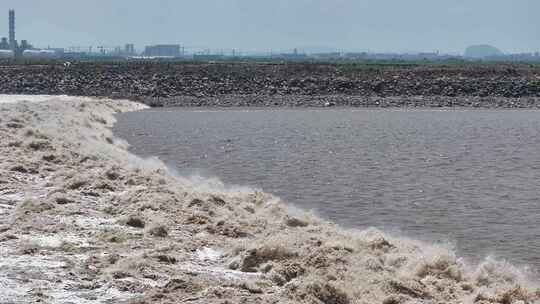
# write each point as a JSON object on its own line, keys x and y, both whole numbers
{"x": 293, "y": 84}
{"x": 84, "y": 221}
{"x": 343, "y": 101}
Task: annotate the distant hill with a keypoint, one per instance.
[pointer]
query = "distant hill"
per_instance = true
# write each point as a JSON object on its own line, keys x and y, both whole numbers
{"x": 482, "y": 51}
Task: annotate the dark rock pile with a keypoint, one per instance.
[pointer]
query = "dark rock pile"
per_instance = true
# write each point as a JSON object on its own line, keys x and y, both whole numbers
{"x": 293, "y": 84}
{"x": 343, "y": 101}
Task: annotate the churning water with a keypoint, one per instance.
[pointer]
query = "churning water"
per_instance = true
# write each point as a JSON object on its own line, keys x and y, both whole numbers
{"x": 471, "y": 177}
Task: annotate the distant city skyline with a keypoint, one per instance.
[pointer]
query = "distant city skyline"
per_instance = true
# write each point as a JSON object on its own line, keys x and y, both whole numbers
{"x": 254, "y": 25}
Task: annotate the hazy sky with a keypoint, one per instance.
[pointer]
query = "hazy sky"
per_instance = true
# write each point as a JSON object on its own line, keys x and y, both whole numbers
{"x": 370, "y": 25}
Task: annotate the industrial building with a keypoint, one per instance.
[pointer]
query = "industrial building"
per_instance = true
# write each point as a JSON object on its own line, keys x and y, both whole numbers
{"x": 12, "y": 41}
{"x": 4, "y": 44}
{"x": 40, "y": 54}
{"x": 11, "y": 44}
{"x": 6, "y": 54}
{"x": 129, "y": 49}
{"x": 162, "y": 50}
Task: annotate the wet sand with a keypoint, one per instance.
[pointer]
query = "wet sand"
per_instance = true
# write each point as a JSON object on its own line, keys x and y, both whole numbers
{"x": 84, "y": 221}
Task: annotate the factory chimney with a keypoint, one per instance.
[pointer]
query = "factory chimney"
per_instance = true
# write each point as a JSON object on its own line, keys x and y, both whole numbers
{"x": 12, "y": 41}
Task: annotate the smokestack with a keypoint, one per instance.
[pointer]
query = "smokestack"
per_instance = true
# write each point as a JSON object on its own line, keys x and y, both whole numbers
{"x": 12, "y": 42}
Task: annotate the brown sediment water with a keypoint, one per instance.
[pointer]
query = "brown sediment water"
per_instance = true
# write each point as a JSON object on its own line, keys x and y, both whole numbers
{"x": 461, "y": 176}
{"x": 82, "y": 220}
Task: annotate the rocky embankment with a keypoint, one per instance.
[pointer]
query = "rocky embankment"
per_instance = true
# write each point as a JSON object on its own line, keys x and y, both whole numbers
{"x": 292, "y": 84}
{"x": 84, "y": 221}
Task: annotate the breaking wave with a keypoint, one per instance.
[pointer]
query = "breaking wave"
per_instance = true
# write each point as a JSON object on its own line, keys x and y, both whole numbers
{"x": 277, "y": 253}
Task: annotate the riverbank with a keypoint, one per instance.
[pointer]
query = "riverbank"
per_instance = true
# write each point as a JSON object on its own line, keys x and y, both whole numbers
{"x": 290, "y": 84}
{"x": 83, "y": 220}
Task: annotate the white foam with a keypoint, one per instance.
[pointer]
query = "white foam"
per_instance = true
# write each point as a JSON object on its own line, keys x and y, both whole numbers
{"x": 31, "y": 98}
{"x": 7, "y": 98}
{"x": 208, "y": 254}
{"x": 14, "y": 197}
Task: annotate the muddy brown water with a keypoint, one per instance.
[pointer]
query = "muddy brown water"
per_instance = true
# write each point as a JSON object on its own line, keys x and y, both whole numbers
{"x": 468, "y": 177}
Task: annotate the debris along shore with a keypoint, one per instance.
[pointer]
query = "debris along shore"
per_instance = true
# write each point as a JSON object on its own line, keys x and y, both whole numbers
{"x": 290, "y": 84}
{"x": 84, "y": 221}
